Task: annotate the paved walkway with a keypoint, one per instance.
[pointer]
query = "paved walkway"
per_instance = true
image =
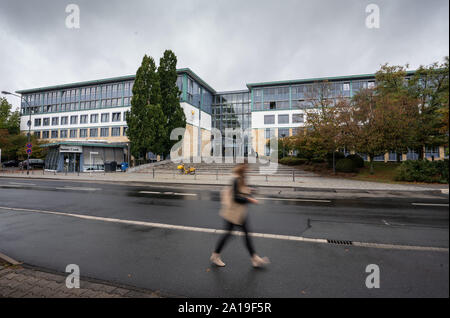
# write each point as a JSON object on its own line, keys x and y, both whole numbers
{"x": 20, "y": 282}
{"x": 260, "y": 180}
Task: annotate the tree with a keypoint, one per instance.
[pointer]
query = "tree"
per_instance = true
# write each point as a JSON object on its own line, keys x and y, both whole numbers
{"x": 170, "y": 93}
{"x": 430, "y": 86}
{"x": 145, "y": 119}
{"x": 9, "y": 120}
{"x": 398, "y": 107}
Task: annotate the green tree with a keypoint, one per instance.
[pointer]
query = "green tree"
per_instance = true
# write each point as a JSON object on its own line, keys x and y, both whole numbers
{"x": 170, "y": 93}
{"x": 9, "y": 120}
{"x": 146, "y": 121}
{"x": 430, "y": 86}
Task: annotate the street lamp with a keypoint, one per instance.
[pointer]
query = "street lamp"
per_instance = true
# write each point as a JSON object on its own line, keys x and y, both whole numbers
{"x": 29, "y": 125}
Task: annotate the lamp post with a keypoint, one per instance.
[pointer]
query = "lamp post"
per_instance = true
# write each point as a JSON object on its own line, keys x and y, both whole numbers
{"x": 29, "y": 124}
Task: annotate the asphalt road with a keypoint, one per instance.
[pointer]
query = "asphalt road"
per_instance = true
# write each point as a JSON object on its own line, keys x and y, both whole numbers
{"x": 161, "y": 238}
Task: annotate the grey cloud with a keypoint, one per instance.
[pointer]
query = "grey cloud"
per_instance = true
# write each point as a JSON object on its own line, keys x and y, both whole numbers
{"x": 227, "y": 42}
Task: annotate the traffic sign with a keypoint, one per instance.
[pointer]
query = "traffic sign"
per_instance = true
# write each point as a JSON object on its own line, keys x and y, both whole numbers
{"x": 29, "y": 151}
{"x": 29, "y": 145}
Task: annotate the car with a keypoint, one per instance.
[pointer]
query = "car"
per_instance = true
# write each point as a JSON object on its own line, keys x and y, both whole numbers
{"x": 10, "y": 163}
{"x": 34, "y": 163}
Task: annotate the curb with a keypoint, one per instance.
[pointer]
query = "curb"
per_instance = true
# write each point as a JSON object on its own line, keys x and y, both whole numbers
{"x": 295, "y": 188}
{"x": 9, "y": 260}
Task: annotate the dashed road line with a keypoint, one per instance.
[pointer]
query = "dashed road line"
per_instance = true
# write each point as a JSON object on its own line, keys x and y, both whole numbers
{"x": 295, "y": 200}
{"x": 217, "y": 231}
{"x": 22, "y": 183}
{"x": 431, "y": 204}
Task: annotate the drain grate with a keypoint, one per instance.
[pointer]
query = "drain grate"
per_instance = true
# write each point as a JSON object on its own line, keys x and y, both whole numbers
{"x": 338, "y": 242}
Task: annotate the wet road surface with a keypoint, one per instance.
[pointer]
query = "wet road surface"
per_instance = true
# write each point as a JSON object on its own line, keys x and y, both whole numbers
{"x": 159, "y": 254}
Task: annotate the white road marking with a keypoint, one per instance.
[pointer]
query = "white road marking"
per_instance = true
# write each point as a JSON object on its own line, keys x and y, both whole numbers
{"x": 22, "y": 183}
{"x": 430, "y": 204}
{"x": 149, "y": 192}
{"x": 296, "y": 200}
{"x": 384, "y": 221}
{"x": 216, "y": 231}
{"x": 186, "y": 194}
{"x": 78, "y": 188}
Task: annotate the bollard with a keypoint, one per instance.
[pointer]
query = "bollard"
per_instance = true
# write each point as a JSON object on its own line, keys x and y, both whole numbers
{"x": 293, "y": 175}
{"x": 217, "y": 174}
{"x": 153, "y": 173}
{"x": 266, "y": 178}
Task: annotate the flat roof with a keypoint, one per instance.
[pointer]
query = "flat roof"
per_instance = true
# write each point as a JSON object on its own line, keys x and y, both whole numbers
{"x": 318, "y": 79}
{"x": 110, "y": 80}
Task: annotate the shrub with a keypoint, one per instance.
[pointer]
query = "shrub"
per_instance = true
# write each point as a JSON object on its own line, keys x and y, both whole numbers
{"x": 317, "y": 160}
{"x": 337, "y": 156}
{"x": 345, "y": 165}
{"x": 357, "y": 160}
{"x": 292, "y": 161}
{"x": 423, "y": 171}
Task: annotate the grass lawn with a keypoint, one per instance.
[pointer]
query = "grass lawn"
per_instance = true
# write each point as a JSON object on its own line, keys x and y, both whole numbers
{"x": 383, "y": 172}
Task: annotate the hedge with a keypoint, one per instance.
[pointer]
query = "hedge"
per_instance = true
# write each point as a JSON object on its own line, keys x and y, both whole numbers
{"x": 337, "y": 156}
{"x": 292, "y": 161}
{"x": 423, "y": 171}
{"x": 357, "y": 160}
{"x": 345, "y": 165}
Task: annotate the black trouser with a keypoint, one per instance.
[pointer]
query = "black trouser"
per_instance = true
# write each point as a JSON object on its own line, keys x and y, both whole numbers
{"x": 228, "y": 227}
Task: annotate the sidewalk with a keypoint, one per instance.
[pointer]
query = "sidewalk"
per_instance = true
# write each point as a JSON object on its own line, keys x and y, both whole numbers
{"x": 301, "y": 183}
{"x": 22, "y": 281}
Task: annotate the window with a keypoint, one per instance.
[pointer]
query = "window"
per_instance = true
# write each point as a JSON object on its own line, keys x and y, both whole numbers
{"x": 283, "y": 119}
{"x": 37, "y": 134}
{"x": 115, "y": 131}
{"x": 73, "y": 133}
{"x": 269, "y": 119}
{"x": 94, "y": 118}
{"x": 105, "y": 118}
{"x": 55, "y": 121}
{"x": 104, "y": 132}
{"x": 73, "y": 120}
{"x": 269, "y": 133}
{"x": 272, "y": 105}
{"x": 115, "y": 117}
{"x": 83, "y": 133}
{"x": 64, "y": 120}
{"x": 297, "y": 118}
{"x": 37, "y": 122}
{"x": 54, "y": 134}
{"x": 45, "y": 134}
{"x": 125, "y": 131}
{"x": 283, "y": 132}
{"x": 46, "y": 121}
{"x": 63, "y": 133}
{"x": 370, "y": 84}
{"x": 93, "y": 132}
{"x": 346, "y": 87}
{"x": 83, "y": 119}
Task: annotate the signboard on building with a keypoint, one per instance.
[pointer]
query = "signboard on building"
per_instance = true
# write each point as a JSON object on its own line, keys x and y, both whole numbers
{"x": 63, "y": 148}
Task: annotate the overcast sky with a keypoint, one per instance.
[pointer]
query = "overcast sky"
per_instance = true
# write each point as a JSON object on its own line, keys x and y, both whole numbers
{"x": 228, "y": 43}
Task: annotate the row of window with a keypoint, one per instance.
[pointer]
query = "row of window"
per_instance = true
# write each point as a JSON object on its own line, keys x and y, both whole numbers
{"x": 64, "y": 120}
{"x": 80, "y": 94}
{"x": 81, "y": 133}
{"x": 284, "y": 119}
{"x": 94, "y": 104}
{"x": 282, "y": 132}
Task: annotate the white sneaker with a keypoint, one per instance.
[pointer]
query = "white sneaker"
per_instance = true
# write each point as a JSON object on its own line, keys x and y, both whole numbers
{"x": 215, "y": 258}
{"x": 259, "y": 262}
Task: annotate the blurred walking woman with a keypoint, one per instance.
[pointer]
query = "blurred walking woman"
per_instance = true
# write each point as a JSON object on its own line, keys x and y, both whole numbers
{"x": 234, "y": 211}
